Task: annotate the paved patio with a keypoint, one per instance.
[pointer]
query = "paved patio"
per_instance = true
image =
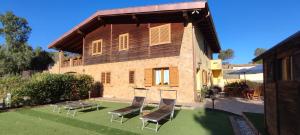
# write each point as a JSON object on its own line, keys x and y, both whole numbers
{"x": 236, "y": 105}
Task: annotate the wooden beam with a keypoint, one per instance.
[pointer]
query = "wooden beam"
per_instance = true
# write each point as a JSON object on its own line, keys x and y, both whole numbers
{"x": 135, "y": 18}
{"x": 186, "y": 17}
{"x": 80, "y": 32}
{"x": 101, "y": 20}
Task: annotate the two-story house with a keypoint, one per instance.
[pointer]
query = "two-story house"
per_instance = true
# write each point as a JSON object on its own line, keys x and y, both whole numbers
{"x": 158, "y": 47}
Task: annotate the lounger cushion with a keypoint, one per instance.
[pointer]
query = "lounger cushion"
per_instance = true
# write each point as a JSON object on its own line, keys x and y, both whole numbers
{"x": 157, "y": 115}
{"x": 166, "y": 108}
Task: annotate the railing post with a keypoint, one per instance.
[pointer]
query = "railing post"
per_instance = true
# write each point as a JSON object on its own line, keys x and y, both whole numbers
{"x": 60, "y": 59}
{"x": 71, "y": 62}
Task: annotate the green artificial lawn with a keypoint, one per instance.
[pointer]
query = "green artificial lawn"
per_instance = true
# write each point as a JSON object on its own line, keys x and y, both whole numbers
{"x": 41, "y": 120}
{"x": 257, "y": 119}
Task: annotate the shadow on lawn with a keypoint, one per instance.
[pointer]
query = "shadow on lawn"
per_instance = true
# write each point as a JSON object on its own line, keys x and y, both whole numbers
{"x": 216, "y": 121}
{"x": 75, "y": 123}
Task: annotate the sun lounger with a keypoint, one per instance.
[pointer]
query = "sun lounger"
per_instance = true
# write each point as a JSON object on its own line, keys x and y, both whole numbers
{"x": 57, "y": 107}
{"x": 165, "y": 110}
{"x": 73, "y": 107}
{"x": 136, "y": 106}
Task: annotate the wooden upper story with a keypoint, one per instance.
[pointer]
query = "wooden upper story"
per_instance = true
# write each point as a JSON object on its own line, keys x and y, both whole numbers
{"x": 136, "y": 33}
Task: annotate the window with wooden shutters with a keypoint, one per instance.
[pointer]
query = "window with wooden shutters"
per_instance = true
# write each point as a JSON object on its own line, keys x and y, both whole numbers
{"x": 204, "y": 77}
{"x": 174, "y": 77}
{"x": 131, "y": 77}
{"x": 107, "y": 78}
{"x": 103, "y": 78}
{"x": 123, "y": 42}
{"x": 148, "y": 77}
{"x": 97, "y": 47}
{"x": 160, "y": 34}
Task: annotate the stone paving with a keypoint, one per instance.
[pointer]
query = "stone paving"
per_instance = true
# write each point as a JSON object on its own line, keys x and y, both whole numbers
{"x": 236, "y": 105}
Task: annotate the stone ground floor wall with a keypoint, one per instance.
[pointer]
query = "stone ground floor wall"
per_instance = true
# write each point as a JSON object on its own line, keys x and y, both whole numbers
{"x": 120, "y": 87}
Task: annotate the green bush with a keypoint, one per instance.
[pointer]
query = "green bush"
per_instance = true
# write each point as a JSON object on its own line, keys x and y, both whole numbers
{"x": 44, "y": 88}
{"x": 13, "y": 84}
{"x": 251, "y": 84}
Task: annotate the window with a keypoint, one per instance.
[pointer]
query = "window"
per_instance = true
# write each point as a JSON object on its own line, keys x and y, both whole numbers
{"x": 131, "y": 77}
{"x": 160, "y": 34}
{"x": 286, "y": 69}
{"x": 269, "y": 70}
{"x": 105, "y": 78}
{"x": 161, "y": 76}
{"x": 123, "y": 42}
{"x": 97, "y": 47}
{"x": 296, "y": 67}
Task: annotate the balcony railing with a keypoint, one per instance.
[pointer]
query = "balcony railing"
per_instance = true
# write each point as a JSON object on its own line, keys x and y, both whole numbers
{"x": 72, "y": 62}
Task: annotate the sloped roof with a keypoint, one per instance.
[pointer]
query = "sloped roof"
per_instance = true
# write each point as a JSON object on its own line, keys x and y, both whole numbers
{"x": 74, "y": 32}
{"x": 292, "y": 41}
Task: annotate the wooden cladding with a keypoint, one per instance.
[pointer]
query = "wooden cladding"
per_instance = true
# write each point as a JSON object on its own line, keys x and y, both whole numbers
{"x": 138, "y": 48}
{"x": 97, "y": 47}
{"x": 131, "y": 77}
{"x": 160, "y": 34}
{"x": 123, "y": 41}
{"x": 168, "y": 76}
{"x": 105, "y": 78}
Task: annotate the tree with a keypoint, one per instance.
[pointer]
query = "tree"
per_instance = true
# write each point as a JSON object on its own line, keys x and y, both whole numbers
{"x": 41, "y": 59}
{"x": 17, "y": 54}
{"x": 226, "y": 55}
{"x": 259, "y": 51}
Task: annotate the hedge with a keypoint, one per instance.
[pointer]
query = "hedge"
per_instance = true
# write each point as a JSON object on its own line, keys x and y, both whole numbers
{"x": 43, "y": 88}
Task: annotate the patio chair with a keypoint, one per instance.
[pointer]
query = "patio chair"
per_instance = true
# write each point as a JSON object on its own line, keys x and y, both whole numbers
{"x": 257, "y": 93}
{"x": 165, "y": 109}
{"x": 136, "y": 106}
{"x": 75, "y": 106}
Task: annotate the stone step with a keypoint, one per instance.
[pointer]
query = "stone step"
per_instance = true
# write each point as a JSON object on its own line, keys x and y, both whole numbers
{"x": 241, "y": 126}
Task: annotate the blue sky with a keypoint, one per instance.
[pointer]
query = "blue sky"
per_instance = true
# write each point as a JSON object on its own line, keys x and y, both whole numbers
{"x": 242, "y": 25}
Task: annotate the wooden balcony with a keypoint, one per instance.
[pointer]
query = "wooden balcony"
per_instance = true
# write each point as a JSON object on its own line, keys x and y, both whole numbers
{"x": 72, "y": 62}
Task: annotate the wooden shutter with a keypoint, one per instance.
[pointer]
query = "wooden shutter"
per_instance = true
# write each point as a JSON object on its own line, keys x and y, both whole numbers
{"x": 108, "y": 77}
{"x": 174, "y": 77}
{"x": 102, "y": 77}
{"x": 94, "y": 47}
{"x": 99, "y": 46}
{"x": 131, "y": 77}
{"x": 154, "y": 36}
{"x": 121, "y": 42}
{"x": 164, "y": 34}
{"x": 126, "y": 40}
{"x": 148, "y": 77}
{"x": 204, "y": 77}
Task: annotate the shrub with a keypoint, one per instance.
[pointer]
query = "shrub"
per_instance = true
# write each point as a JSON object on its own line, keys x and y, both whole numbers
{"x": 13, "y": 84}
{"x": 44, "y": 88}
